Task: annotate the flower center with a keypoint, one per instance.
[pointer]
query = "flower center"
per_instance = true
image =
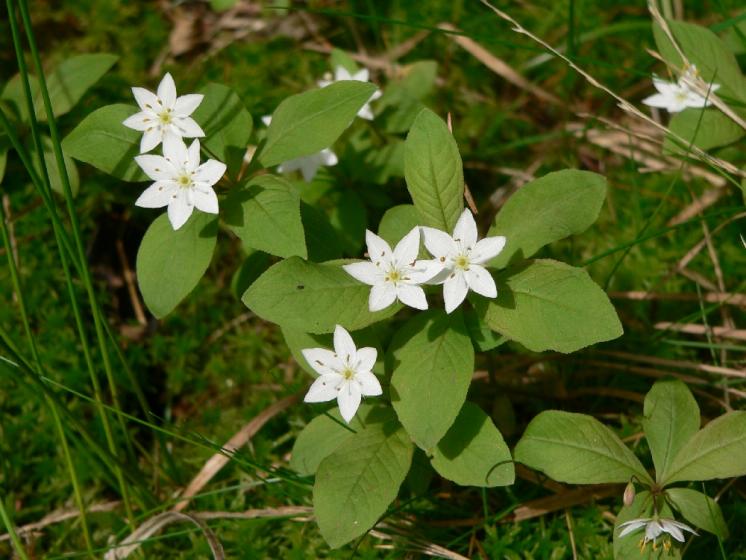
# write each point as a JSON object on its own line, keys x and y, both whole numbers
{"x": 348, "y": 373}
{"x": 462, "y": 262}
{"x": 393, "y": 275}
{"x": 165, "y": 116}
{"x": 184, "y": 180}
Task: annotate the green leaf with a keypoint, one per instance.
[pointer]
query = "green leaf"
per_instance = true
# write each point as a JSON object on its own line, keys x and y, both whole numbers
{"x": 255, "y": 263}
{"x": 227, "y": 124}
{"x": 548, "y": 209}
{"x": 322, "y": 240}
{"x": 473, "y": 452}
{"x": 577, "y": 449}
{"x": 102, "y": 141}
{"x": 671, "y": 418}
{"x": 339, "y": 58}
{"x": 549, "y": 305}
{"x": 716, "y": 451}
{"x": 699, "y": 510}
{"x": 71, "y": 79}
{"x": 432, "y": 361}
{"x": 397, "y": 222}
{"x": 433, "y": 172}
{"x": 320, "y": 438}
{"x": 222, "y": 5}
{"x": 307, "y": 123}
{"x": 66, "y": 84}
{"x": 170, "y": 263}
{"x": 312, "y": 297}
{"x": 484, "y": 338}
{"x": 265, "y": 215}
{"x": 713, "y": 129}
{"x": 714, "y": 61}
{"x": 355, "y": 484}
{"x": 402, "y": 100}
{"x": 627, "y": 547}
{"x": 3, "y": 161}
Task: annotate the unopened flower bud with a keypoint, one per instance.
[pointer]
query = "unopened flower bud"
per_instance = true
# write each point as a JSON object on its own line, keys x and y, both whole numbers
{"x": 629, "y": 494}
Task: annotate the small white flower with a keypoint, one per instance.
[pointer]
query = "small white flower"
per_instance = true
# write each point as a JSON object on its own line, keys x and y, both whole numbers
{"x": 163, "y": 114}
{"x": 307, "y": 165}
{"x": 181, "y": 182}
{"x": 460, "y": 259}
{"x": 345, "y": 374}
{"x": 394, "y": 274}
{"x": 340, "y": 74}
{"x": 654, "y": 528}
{"x": 674, "y": 97}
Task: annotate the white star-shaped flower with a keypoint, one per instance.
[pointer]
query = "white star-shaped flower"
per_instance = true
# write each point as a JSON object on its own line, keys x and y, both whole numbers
{"x": 654, "y": 528}
{"x": 181, "y": 182}
{"x": 460, "y": 259}
{"x": 163, "y": 114}
{"x": 674, "y": 97}
{"x": 394, "y": 274}
{"x": 341, "y": 73}
{"x": 307, "y": 165}
{"x": 344, "y": 374}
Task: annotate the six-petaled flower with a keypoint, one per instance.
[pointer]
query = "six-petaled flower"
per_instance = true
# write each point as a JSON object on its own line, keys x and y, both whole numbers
{"x": 674, "y": 97}
{"x": 655, "y": 527}
{"x": 181, "y": 182}
{"x": 163, "y": 114}
{"x": 345, "y": 374}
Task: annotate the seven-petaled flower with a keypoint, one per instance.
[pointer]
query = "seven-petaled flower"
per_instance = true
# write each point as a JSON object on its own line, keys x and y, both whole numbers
{"x": 393, "y": 274}
{"x": 163, "y": 114}
{"x": 341, "y": 73}
{"x": 181, "y": 182}
{"x": 307, "y": 165}
{"x": 674, "y": 97}
{"x": 654, "y": 528}
{"x": 460, "y": 259}
{"x": 344, "y": 374}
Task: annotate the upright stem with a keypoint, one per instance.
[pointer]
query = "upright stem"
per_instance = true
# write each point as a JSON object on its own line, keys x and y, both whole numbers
{"x": 37, "y": 363}
{"x": 75, "y": 226}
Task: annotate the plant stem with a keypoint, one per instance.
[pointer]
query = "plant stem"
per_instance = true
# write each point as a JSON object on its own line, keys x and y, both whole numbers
{"x": 12, "y": 531}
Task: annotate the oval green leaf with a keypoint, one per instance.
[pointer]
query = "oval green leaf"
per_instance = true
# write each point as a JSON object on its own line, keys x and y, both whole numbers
{"x": 170, "y": 263}
{"x": 577, "y": 449}
{"x": 699, "y": 510}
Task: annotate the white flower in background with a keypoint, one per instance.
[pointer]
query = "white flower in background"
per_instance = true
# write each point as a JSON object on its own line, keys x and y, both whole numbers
{"x": 181, "y": 182}
{"x": 341, "y": 74}
{"x": 460, "y": 259}
{"x": 393, "y": 274}
{"x": 674, "y": 97}
{"x": 654, "y": 528}
{"x": 344, "y": 374}
{"x": 307, "y": 165}
{"x": 163, "y": 114}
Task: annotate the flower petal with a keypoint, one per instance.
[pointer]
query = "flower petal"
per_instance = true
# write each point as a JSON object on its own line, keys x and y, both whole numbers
{"x": 156, "y": 195}
{"x": 487, "y": 249}
{"x": 328, "y": 158}
{"x": 632, "y": 526}
{"x": 664, "y": 86}
{"x": 193, "y": 160}
{"x": 323, "y": 361}
{"x": 362, "y": 75}
{"x": 454, "y": 290}
{"x": 341, "y": 73}
{"x": 428, "y": 272}
{"x": 653, "y": 530}
{"x": 413, "y": 296}
{"x": 366, "y": 112}
{"x": 466, "y": 229}
{"x": 481, "y": 281}
{"x": 147, "y": 100}
{"x": 209, "y": 172}
{"x": 139, "y": 121}
{"x": 309, "y": 166}
{"x": 439, "y": 243}
{"x": 186, "y": 104}
{"x": 167, "y": 91}
{"x": 267, "y": 120}
{"x": 323, "y": 389}
{"x": 187, "y": 127}
{"x": 175, "y": 151}
{"x": 205, "y": 199}
{"x": 365, "y": 272}
{"x": 381, "y": 296}
{"x": 179, "y": 209}
{"x": 348, "y": 399}
{"x": 344, "y": 346}
{"x": 378, "y": 249}
{"x": 366, "y": 359}
{"x": 150, "y": 139}
{"x": 672, "y": 530}
{"x": 405, "y": 252}
{"x": 369, "y": 384}
{"x": 660, "y": 100}
{"x": 157, "y": 168}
